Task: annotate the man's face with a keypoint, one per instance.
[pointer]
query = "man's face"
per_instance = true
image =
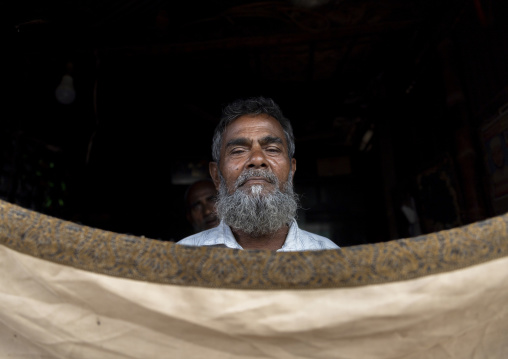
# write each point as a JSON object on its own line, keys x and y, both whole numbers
{"x": 201, "y": 206}
{"x": 253, "y": 142}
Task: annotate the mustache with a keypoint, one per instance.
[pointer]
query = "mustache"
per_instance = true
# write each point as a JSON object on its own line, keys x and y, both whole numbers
{"x": 251, "y": 172}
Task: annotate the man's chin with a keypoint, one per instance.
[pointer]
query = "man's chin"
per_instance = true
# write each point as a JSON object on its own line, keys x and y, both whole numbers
{"x": 211, "y": 224}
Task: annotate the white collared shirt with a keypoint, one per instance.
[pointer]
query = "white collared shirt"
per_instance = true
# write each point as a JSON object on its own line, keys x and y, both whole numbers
{"x": 296, "y": 240}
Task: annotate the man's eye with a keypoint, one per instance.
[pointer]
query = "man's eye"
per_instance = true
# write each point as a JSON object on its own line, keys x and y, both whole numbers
{"x": 273, "y": 149}
{"x": 237, "y": 151}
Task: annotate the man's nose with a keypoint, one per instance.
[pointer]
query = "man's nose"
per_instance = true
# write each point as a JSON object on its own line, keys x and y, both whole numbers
{"x": 208, "y": 208}
{"x": 257, "y": 159}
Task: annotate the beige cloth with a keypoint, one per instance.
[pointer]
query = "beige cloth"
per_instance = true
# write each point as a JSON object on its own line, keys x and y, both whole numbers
{"x": 438, "y": 296}
{"x": 48, "y": 310}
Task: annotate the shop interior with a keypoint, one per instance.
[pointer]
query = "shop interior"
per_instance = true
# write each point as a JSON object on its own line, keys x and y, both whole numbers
{"x": 399, "y": 109}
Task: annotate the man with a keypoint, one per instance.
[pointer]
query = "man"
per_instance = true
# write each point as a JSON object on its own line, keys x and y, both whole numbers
{"x": 253, "y": 169}
{"x": 200, "y": 205}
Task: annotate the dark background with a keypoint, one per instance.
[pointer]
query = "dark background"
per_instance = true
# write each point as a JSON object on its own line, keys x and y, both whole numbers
{"x": 151, "y": 77}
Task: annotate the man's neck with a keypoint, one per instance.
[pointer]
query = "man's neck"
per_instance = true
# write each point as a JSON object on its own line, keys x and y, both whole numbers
{"x": 272, "y": 241}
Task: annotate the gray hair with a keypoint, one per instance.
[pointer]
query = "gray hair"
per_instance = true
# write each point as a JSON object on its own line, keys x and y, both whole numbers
{"x": 251, "y": 106}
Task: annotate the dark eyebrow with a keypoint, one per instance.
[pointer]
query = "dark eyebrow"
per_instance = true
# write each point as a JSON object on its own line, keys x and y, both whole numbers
{"x": 242, "y": 141}
{"x": 270, "y": 139}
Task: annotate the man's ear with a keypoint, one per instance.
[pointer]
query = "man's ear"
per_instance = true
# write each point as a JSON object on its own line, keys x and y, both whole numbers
{"x": 214, "y": 173}
{"x": 293, "y": 166}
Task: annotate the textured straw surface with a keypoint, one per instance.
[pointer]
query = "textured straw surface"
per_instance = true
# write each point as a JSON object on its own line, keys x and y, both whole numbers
{"x": 156, "y": 261}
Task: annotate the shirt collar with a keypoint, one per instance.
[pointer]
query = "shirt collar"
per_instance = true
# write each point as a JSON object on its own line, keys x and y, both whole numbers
{"x": 223, "y": 234}
{"x": 292, "y": 239}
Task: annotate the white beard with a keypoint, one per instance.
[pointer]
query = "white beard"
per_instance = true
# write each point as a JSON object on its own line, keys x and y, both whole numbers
{"x": 255, "y": 213}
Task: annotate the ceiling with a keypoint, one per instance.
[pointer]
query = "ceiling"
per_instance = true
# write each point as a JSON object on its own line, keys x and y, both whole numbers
{"x": 351, "y": 43}
{"x": 321, "y": 60}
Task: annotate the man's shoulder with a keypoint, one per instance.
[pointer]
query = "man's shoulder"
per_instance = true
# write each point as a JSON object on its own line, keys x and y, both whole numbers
{"x": 321, "y": 241}
{"x": 200, "y": 239}
{"x": 190, "y": 240}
